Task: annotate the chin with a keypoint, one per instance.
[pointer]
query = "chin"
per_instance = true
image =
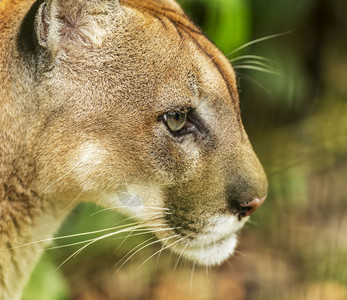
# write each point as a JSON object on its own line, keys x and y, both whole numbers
{"x": 215, "y": 244}
{"x": 212, "y": 254}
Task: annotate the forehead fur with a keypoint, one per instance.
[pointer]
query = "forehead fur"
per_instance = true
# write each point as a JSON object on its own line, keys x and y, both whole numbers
{"x": 140, "y": 35}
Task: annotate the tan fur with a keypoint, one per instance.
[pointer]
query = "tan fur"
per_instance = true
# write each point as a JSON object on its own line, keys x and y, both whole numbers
{"x": 80, "y": 115}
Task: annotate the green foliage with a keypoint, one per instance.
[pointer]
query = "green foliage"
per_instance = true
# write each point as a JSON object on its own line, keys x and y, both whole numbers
{"x": 226, "y": 22}
{"x": 46, "y": 282}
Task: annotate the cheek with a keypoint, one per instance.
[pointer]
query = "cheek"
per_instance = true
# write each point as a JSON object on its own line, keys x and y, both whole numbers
{"x": 89, "y": 165}
{"x": 191, "y": 153}
{"x": 175, "y": 159}
{"x": 140, "y": 200}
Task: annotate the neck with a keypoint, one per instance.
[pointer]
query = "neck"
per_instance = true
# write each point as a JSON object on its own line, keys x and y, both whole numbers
{"x": 24, "y": 219}
{"x": 25, "y": 216}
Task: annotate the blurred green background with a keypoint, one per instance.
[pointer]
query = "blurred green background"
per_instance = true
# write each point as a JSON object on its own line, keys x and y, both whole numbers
{"x": 293, "y": 91}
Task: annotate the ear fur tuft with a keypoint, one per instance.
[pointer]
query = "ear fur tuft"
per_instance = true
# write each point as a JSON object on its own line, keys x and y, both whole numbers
{"x": 63, "y": 21}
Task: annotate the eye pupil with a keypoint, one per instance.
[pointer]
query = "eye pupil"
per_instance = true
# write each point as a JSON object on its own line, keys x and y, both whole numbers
{"x": 177, "y": 116}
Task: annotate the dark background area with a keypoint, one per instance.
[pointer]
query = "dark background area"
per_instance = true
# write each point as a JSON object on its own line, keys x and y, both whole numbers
{"x": 293, "y": 91}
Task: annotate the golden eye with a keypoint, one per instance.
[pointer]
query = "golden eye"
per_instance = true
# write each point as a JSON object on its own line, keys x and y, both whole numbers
{"x": 175, "y": 120}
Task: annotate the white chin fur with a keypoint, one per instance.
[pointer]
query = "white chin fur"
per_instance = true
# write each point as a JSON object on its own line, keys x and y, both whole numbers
{"x": 211, "y": 255}
{"x": 215, "y": 244}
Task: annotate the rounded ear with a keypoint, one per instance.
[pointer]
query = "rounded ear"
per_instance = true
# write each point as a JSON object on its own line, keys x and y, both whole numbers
{"x": 79, "y": 21}
{"x": 50, "y": 24}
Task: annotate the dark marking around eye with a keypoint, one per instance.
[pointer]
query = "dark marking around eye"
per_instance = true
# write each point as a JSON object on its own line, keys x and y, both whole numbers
{"x": 193, "y": 125}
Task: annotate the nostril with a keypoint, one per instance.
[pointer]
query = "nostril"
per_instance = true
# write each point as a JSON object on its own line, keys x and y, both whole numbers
{"x": 244, "y": 209}
{"x": 249, "y": 207}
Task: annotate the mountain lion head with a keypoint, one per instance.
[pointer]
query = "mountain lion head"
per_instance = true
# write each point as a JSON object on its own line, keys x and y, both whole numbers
{"x": 126, "y": 104}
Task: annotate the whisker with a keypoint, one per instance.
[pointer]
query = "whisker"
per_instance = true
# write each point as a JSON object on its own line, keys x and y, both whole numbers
{"x": 126, "y": 238}
{"x": 171, "y": 253}
{"x": 150, "y": 231}
{"x": 151, "y": 217}
{"x": 192, "y": 276}
{"x": 142, "y": 232}
{"x": 89, "y": 232}
{"x": 73, "y": 201}
{"x": 257, "y": 68}
{"x": 119, "y": 207}
{"x": 251, "y": 222}
{"x": 60, "y": 178}
{"x": 238, "y": 252}
{"x": 179, "y": 257}
{"x": 132, "y": 251}
{"x": 94, "y": 241}
{"x": 254, "y": 57}
{"x": 257, "y": 63}
{"x": 73, "y": 235}
{"x": 156, "y": 265}
{"x": 216, "y": 91}
{"x": 69, "y": 245}
{"x": 163, "y": 249}
{"x": 137, "y": 251}
{"x": 259, "y": 40}
{"x": 254, "y": 81}
{"x": 230, "y": 264}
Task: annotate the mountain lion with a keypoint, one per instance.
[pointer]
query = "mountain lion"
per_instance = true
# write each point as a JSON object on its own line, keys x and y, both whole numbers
{"x": 102, "y": 95}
